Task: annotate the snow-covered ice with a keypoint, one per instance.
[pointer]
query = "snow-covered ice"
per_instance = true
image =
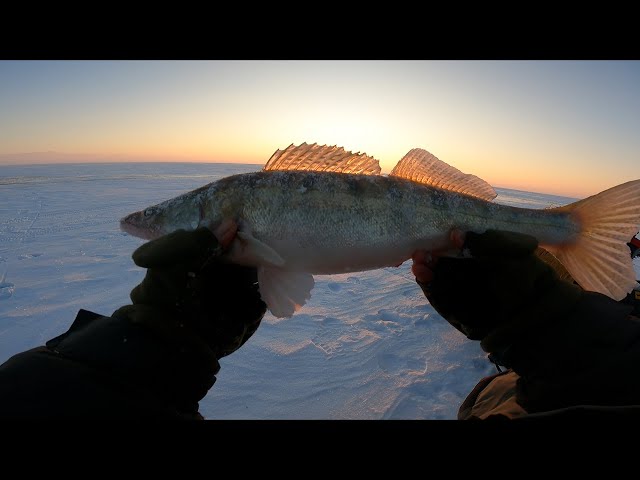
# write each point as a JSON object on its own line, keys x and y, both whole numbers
{"x": 366, "y": 346}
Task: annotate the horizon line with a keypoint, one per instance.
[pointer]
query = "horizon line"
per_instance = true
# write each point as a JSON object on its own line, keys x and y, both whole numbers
{"x": 229, "y": 163}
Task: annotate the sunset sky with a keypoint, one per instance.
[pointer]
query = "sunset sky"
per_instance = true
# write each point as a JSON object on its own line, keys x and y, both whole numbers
{"x": 562, "y": 127}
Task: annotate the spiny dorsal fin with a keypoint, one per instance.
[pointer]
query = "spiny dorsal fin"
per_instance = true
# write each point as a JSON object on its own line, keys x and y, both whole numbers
{"x": 322, "y": 159}
{"x": 423, "y": 167}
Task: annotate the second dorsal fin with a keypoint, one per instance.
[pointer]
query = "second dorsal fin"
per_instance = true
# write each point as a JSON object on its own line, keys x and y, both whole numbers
{"x": 322, "y": 159}
{"x": 423, "y": 167}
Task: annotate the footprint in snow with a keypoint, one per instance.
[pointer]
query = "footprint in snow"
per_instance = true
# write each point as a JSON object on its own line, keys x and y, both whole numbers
{"x": 29, "y": 255}
{"x": 330, "y": 321}
{"x": 394, "y": 364}
{"x": 6, "y": 290}
{"x": 388, "y": 362}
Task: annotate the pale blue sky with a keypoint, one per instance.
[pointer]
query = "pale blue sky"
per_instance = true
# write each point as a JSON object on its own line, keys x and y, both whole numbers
{"x": 565, "y": 127}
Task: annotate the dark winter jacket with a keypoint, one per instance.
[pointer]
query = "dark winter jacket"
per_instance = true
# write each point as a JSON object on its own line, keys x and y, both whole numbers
{"x": 105, "y": 367}
{"x": 584, "y": 364}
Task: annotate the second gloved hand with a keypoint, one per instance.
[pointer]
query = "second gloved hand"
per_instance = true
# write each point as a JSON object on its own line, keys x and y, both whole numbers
{"x": 498, "y": 292}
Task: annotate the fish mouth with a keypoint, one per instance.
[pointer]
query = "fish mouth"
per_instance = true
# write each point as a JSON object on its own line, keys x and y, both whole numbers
{"x": 131, "y": 225}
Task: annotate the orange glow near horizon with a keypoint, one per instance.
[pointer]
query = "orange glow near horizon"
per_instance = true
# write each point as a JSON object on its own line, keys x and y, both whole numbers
{"x": 527, "y": 175}
{"x": 566, "y": 128}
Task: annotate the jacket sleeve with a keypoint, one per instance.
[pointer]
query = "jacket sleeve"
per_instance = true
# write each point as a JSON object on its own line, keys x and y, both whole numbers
{"x": 105, "y": 367}
{"x": 588, "y": 356}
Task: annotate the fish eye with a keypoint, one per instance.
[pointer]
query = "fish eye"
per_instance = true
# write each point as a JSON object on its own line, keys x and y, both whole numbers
{"x": 148, "y": 212}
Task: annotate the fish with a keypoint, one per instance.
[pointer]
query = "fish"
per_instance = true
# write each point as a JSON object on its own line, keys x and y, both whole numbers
{"x": 319, "y": 210}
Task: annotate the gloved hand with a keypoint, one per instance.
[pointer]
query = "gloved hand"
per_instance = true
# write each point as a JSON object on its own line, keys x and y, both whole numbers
{"x": 189, "y": 296}
{"x": 499, "y": 292}
{"x": 567, "y": 346}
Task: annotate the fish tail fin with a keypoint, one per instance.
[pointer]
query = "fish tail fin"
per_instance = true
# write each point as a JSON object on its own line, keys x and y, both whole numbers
{"x": 600, "y": 259}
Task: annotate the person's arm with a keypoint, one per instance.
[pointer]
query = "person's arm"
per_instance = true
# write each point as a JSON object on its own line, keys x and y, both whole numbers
{"x": 569, "y": 347}
{"x": 155, "y": 358}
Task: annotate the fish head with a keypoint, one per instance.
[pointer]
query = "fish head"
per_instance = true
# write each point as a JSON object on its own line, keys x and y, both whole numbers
{"x": 206, "y": 206}
{"x": 184, "y": 212}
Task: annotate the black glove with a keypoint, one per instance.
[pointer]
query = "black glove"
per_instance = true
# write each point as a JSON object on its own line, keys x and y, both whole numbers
{"x": 568, "y": 346}
{"x": 500, "y": 291}
{"x": 190, "y": 297}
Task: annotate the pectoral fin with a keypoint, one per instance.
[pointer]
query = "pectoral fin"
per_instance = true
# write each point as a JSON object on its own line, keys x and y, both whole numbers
{"x": 284, "y": 291}
{"x": 248, "y": 250}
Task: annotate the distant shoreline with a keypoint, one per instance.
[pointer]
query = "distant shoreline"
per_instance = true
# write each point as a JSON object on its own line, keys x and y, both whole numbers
{"x": 255, "y": 166}
{"x": 125, "y": 162}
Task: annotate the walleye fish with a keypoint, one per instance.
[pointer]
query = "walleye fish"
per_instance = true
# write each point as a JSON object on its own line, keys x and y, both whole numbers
{"x": 323, "y": 210}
